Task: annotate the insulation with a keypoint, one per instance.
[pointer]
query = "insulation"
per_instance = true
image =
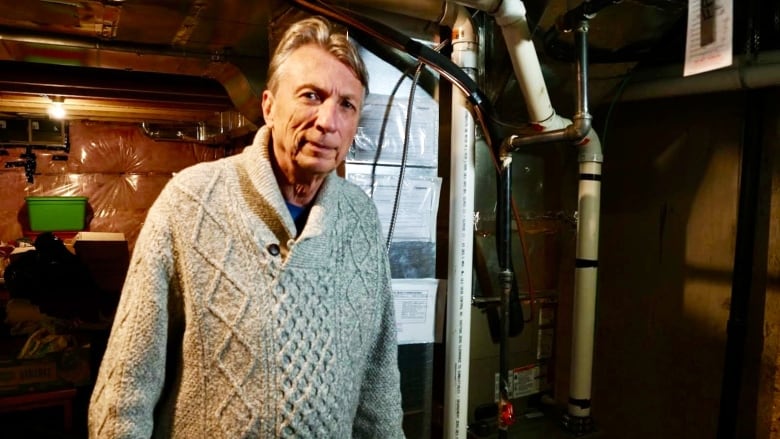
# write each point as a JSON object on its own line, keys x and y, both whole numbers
{"x": 115, "y": 165}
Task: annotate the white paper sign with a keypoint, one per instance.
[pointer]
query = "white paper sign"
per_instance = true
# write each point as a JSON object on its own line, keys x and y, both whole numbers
{"x": 418, "y": 205}
{"x": 415, "y": 309}
{"x": 709, "y": 37}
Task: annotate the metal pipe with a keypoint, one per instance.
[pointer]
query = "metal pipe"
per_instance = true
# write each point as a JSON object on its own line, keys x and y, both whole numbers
{"x": 506, "y": 281}
{"x": 581, "y": 42}
{"x": 585, "y": 11}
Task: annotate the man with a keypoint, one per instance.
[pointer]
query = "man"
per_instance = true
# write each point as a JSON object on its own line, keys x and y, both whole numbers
{"x": 258, "y": 301}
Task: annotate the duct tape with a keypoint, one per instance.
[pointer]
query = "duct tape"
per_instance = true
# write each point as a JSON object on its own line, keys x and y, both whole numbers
{"x": 593, "y": 177}
{"x": 586, "y": 263}
{"x": 581, "y": 403}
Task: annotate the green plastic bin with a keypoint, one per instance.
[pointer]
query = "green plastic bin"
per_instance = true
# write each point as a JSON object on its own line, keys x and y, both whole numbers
{"x": 56, "y": 214}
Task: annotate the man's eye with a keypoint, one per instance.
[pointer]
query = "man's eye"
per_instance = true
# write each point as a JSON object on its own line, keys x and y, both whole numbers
{"x": 312, "y": 96}
{"x": 348, "y": 105}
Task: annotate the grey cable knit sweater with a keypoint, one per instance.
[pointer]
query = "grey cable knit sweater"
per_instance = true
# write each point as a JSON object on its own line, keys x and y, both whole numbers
{"x": 231, "y": 327}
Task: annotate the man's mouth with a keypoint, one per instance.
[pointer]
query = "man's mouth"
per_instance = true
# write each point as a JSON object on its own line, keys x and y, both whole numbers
{"x": 318, "y": 145}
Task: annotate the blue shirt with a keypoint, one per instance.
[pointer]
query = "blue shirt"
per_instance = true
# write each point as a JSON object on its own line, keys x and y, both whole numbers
{"x": 299, "y": 215}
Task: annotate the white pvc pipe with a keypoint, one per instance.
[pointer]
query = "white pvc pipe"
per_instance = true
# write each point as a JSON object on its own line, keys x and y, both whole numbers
{"x": 510, "y": 15}
{"x": 461, "y": 236}
{"x": 488, "y": 6}
{"x": 525, "y": 62}
{"x": 585, "y": 280}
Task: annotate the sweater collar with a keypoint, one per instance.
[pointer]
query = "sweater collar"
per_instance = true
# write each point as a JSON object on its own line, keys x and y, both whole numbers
{"x": 257, "y": 163}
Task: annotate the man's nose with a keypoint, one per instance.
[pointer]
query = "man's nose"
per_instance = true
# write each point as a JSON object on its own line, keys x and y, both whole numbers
{"x": 327, "y": 116}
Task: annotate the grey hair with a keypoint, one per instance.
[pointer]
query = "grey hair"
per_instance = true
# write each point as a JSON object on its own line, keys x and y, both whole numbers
{"x": 320, "y": 32}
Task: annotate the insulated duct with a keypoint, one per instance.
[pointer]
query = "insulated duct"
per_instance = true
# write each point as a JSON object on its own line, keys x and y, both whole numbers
{"x": 137, "y": 57}
{"x": 753, "y": 72}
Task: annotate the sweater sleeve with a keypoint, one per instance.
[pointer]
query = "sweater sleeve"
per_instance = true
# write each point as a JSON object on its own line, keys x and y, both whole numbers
{"x": 379, "y": 413}
{"x": 132, "y": 371}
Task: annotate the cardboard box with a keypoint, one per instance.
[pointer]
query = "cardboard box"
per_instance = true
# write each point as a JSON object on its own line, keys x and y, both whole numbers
{"x": 68, "y": 368}
{"x": 106, "y": 255}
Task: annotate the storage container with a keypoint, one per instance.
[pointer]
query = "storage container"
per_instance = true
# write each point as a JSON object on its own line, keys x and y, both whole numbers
{"x": 56, "y": 214}
{"x": 56, "y": 370}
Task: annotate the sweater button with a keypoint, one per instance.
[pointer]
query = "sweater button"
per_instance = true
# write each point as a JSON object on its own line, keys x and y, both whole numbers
{"x": 273, "y": 249}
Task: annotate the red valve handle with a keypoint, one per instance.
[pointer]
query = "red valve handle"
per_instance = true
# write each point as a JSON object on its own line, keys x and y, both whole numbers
{"x": 506, "y": 414}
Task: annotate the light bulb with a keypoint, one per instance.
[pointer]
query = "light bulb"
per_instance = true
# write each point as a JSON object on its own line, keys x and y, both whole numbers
{"x": 57, "y": 108}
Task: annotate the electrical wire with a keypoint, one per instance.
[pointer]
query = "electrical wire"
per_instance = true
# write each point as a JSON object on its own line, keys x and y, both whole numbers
{"x": 382, "y": 130}
{"x": 608, "y": 116}
{"x": 380, "y": 141}
{"x": 404, "y": 155}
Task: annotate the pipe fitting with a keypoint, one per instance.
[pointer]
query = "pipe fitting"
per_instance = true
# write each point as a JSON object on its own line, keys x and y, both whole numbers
{"x": 557, "y": 129}
{"x": 514, "y": 142}
{"x": 506, "y": 161}
{"x": 579, "y": 128}
{"x": 509, "y": 11}
{"x": 464, "y": 40}
{"x": 489, "y": 6}
{"x": 590, "y": 149}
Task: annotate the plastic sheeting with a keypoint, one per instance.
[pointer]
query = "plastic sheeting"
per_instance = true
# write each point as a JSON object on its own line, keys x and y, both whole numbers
{"x": 115, "y": 165}
{"x": 380, "y": 136}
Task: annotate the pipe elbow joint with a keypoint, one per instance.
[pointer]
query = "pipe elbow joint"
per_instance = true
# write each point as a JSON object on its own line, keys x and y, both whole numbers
{"x": 508, "y": 12}
{"x": 580, "y": 127}
{"x": 505, "y": 148}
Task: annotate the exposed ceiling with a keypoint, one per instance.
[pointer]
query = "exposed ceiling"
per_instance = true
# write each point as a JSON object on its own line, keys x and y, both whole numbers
{"x": 134, "y": 60}
{"x": 193, "y": 60}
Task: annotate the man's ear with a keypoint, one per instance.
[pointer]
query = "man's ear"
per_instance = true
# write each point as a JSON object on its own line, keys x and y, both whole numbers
{"x": 267, "y": 103}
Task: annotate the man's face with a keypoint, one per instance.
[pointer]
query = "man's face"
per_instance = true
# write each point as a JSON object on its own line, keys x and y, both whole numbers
{"x": 313, "y": 115}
